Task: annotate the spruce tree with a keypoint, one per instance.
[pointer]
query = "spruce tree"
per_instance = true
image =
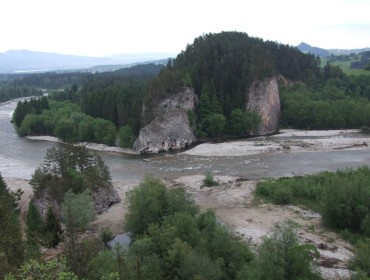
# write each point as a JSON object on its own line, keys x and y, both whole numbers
{"x": 52, "y": 229}
{"x": 33, "y": 222}
{"x": 11, "y": 244}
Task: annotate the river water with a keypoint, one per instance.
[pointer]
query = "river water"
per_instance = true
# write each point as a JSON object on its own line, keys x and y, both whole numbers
{"x": 20, "y": 156}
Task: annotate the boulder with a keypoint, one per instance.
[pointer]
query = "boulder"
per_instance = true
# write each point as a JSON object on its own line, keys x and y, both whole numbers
{"x": 169, "y": 131}
{"x": 263, "y": 98}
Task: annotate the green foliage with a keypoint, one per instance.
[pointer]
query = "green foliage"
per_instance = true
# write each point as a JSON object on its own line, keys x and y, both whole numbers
{"x": 33, "y": 106}
{"x": 241, "y": 122}
{"x": 126, "y": 137}
{"x": 65, "y": 121}
{"x": 175, "y": 241}
{"x": 78, "y": 211}
{"x": 361, "y": 260}
{"x": 343, "y": 198}
{"x": 150, "y": 202}
{"x": 52, "y": 229}
{"x": 104, "y": 132}
{"x": 55, "y": 269}
{"x": 106, "y": 235}
{"x": 103, "y": 266}
{"x": 214, "y": 125}
{"x": 280, "y": 256}
{"x": 208, "y": 180}
{"x": 70, "y": 168}
{"x": 33, "y": 222}
{"x": 338, "y": 103}
{"x": 10, "y": 89}
{"x": 11, "y": 244}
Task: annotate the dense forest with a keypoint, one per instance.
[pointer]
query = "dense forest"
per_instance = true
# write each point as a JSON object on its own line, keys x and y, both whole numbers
{"x": 220, "y": 68}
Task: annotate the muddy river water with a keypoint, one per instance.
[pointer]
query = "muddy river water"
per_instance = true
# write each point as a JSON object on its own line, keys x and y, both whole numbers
{"x": 20, "y": 156}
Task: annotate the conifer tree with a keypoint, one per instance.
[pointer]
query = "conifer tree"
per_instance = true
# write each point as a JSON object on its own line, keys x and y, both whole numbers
{"x": 11, "y": 244}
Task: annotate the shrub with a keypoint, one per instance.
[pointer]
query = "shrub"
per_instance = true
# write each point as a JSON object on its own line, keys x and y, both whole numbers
{"x": 209, "y": 180}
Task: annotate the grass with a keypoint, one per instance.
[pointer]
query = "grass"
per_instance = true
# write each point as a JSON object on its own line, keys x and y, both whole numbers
{"x": 346, "y": 66}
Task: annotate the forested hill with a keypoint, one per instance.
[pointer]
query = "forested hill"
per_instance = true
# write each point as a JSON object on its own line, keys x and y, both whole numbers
{"x": 224, "y": 65}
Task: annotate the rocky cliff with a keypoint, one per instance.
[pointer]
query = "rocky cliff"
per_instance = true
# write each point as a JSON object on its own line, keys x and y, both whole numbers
{"x": 169, "y": 131}
{"x": 185, "y": 99}
{"x": 103, "y": 198}
{"x": 263, "y": 98}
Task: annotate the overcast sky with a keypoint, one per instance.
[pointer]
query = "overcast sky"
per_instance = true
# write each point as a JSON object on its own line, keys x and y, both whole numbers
{"x": 104, "y": 27}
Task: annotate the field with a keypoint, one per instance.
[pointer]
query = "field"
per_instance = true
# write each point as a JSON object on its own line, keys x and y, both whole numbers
{"x": 346, "y": 65}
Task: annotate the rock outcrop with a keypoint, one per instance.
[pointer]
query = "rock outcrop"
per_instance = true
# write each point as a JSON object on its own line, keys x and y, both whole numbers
{"x": 263, "y": 98}
{"x": 169, "y": 131}
{"x": 185, "y": 99}
{"x": 103, "y": 198}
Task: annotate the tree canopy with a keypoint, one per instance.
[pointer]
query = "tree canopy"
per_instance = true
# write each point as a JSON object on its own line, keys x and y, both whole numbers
{"x": 70, "y": 168}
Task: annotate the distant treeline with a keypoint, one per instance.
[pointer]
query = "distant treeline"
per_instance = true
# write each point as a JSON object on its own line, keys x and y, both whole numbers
{"x": 220, "y": 68}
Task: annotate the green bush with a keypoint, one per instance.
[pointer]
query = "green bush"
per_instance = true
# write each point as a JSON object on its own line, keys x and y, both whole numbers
{"x": 343, "y": 197}
{"x": 126, "y": 137}
{"x": 208, "y": 180}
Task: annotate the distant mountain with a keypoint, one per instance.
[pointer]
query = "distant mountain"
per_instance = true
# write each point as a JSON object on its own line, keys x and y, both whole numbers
{"x": 306, "y": 48}
{"x": 30, "y": 61}
{"x": 348, "y": 52}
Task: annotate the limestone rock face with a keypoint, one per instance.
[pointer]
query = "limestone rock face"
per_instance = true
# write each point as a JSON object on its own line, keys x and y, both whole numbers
{"x": 169, "y": 131}
{"x": 263, "y": 98}
{"x": 185, "y": 99}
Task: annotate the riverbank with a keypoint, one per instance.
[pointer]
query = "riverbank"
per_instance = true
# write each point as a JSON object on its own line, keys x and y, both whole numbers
{"x": 286, "y": 141}
{"x": 234, "y": 203}
{"x": 91, "y": 146}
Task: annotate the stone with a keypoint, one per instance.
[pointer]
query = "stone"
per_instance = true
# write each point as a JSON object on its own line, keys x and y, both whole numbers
{"x": 185, "y": 99}
{"x": 103, "y": 199}
{"x": 169, "y": 131}
{"x": 263, "y": 98}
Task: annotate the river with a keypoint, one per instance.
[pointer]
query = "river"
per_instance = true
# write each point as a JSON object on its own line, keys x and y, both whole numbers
{"x": 20, "y": 156}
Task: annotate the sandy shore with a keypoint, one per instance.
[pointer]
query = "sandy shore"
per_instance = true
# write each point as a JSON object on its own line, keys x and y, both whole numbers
{"x": 286, "y": 141}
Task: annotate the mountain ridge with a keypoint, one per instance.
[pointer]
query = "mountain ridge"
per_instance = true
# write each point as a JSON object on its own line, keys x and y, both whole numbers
{"x": 13, "y": 61}
{"x": 306, "y": 48}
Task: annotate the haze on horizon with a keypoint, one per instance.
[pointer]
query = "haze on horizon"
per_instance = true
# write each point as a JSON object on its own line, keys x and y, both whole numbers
{"x": 101, "y": 28}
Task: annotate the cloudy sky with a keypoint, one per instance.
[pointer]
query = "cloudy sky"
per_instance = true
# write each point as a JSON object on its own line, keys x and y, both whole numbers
{"x": 104, "y": 27}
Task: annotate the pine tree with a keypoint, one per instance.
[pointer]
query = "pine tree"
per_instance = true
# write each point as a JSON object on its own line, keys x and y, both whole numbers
{"x": 52, "y": 229}
{"x": 33, "y": 222}
{"x": 11, "y": 244}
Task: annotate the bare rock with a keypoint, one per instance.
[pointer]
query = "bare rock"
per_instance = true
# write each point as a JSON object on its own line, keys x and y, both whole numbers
{"x": 263, "y": 98}
{"x": 185, "y": 99}
{"x": 103, "y": 199}
{"x": 170, "y": 131}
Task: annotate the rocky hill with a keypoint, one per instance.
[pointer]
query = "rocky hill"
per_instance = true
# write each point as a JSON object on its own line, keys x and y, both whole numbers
{"x": 230, "y": 82}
